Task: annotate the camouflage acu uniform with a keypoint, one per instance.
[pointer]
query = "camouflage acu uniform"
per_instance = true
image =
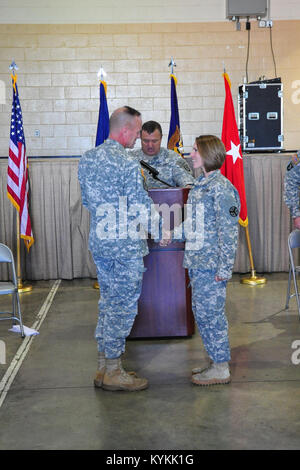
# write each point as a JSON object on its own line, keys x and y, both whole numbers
{"x": 172, "y": 168}
{"x": 107, "y": 176}
{"x": 292, "y": 186}
{"x": 219, "y": 205}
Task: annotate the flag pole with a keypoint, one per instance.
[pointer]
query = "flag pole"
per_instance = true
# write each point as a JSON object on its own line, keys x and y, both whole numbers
{"x": 253, "y": 280}
{"x": 21, "y": 288}
{"x": 230, "y": 134}
{"x": 101, "y": 74}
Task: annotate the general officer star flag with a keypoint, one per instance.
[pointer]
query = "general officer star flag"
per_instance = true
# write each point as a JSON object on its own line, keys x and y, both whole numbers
{"x": 17, "y": 171}
{"x": 233, "y": 166}
{"x": 103, "y": 119}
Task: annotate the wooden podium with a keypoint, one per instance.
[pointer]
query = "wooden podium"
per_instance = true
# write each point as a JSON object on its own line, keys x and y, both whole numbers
{"x": 165, "y": 308}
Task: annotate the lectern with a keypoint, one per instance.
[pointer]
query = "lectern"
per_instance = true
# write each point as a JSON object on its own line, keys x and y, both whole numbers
{"x": 165, "y": 308}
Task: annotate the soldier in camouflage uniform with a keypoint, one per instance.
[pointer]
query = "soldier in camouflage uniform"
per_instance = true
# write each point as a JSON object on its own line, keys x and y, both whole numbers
{"x": 291, "y": 188}
{"x": 210, "y": 249}
{"x": 111, "y": 183}
{"x": 172, "y": 167}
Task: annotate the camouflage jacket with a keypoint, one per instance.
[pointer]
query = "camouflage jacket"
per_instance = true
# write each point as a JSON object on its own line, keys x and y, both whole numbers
{"x": 172, "y": 168}
{"x": 292, "y": 186}
{"x": 211, "y": 227}
{"x": 120, "y": 208}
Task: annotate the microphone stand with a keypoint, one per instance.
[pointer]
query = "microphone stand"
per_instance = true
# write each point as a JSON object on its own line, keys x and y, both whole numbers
{"x": 154, "y": 172}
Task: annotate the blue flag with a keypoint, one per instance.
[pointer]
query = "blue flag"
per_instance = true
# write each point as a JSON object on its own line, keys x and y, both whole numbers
{"x": 174, "y": 141}
{"x": 103, "y": 120}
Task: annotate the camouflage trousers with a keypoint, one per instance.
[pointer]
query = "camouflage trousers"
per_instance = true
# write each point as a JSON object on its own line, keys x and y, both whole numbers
{"x": 208, "y": 302}
{"x": 120, "y": 283}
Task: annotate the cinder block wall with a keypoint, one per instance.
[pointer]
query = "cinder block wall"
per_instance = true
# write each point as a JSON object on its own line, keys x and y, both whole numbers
{"x": 59, "y": 89}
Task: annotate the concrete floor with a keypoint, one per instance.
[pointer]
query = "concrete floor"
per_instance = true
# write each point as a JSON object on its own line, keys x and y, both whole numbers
{"x": 52, "y": 403}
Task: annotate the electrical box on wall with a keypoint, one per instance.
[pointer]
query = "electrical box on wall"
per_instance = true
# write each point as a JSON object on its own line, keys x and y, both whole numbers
{"x": 244, "y": 8}
{"x": 260, "y": 115}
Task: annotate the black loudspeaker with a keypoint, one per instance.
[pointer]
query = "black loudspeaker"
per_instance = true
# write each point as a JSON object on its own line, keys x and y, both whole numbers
{"x": 260, "y": 112}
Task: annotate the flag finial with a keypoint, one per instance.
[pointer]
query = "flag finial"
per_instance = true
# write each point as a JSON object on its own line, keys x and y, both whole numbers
{"x": 13, "y": 66}
{"x": 101, "y": 73}
{"x": 172, "y": 65}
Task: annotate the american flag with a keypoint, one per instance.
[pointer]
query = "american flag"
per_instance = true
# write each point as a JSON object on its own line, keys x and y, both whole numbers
{"x": 17, "y": 172}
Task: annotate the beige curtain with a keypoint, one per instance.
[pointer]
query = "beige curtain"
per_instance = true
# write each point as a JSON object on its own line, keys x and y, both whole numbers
{"x": 61, "y": 224}
{"x": 269, "y": 218}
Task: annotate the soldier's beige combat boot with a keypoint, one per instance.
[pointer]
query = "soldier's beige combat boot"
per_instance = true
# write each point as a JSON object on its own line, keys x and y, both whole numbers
{"x": 116, "y": 378}
{"x": 101, "y": 370}
{"x": 206, "y": 364}
{"x": 217, "y": 373}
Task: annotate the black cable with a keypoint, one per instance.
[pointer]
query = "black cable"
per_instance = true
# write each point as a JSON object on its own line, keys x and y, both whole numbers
{"x": 248, "y": 47}
{"x": 271, "y": 43}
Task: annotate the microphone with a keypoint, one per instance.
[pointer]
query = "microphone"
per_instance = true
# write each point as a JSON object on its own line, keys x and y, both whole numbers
{"x": 152, "y": 170}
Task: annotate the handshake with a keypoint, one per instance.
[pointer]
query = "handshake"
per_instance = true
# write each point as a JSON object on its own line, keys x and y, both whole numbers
{"x": 166, "y": 237}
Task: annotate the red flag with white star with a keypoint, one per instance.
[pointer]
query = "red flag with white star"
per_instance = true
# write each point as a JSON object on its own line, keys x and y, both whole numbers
{"x": 233, "y": 166}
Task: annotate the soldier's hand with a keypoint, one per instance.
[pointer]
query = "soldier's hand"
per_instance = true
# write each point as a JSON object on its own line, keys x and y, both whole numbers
{"x": 218, "y": 279}
{"x": 166, "y": 237}
{"x": 297, "y": 223}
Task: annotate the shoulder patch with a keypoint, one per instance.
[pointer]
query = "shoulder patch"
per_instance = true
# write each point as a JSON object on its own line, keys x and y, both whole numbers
{"x": 294, "y": 161}
{"x": 233, "y": 211}
{"x": 296, "y": 158}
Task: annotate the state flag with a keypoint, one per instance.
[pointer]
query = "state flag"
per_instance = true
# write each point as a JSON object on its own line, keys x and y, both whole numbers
{"x": 103, "y": 119}
{"x": 174, "y": 137}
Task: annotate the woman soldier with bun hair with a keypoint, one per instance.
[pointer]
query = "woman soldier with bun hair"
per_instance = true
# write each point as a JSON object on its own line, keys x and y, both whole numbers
{"x": 210, "y": 261}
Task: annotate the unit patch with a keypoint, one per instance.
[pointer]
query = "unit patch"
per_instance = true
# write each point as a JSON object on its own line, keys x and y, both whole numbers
{"x": 233, "y": 211}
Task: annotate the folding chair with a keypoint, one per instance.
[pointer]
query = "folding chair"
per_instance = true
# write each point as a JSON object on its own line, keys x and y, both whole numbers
{"x": 293, "y": 242}
{"x": 11, "y": 288}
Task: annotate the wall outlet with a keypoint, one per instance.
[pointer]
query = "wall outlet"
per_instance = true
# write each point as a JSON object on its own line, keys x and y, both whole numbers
{"x": 262, "y": 23}
{"x": 37, "y": 133}
{"x": 265, "y": 23}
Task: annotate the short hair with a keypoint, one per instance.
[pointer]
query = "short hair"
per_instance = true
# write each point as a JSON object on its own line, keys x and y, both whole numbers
{"x": 151, "y": 126}
{"x": 122, "y": 117}
{"x": 131, "y": 111}
{"x": 212, "y": 151}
